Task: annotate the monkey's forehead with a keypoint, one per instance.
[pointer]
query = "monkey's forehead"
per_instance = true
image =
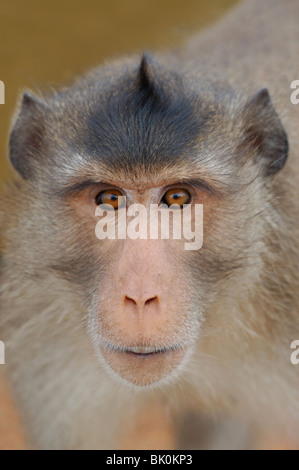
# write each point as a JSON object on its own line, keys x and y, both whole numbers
{"x": 134, "y": 113}
{"x": 138, "y": 121}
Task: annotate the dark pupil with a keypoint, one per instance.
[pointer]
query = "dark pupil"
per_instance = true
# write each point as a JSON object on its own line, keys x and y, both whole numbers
{"x": 113, "y": 197}
{"x": 176, "y": 196}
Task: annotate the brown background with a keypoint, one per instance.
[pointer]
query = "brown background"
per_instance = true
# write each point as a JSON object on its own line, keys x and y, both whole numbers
{"x": 46, "y": 43}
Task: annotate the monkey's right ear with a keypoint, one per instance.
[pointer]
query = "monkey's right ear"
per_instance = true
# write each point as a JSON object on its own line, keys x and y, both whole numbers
{"x": 264, "y": 133}
{"x": 26, "y": 138}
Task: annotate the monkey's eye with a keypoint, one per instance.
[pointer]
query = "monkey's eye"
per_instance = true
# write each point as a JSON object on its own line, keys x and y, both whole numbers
{"x": 176, "y": 196}
{"x": 113, "y": 197}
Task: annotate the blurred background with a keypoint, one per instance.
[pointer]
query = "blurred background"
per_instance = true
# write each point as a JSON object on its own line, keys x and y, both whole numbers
{"x": 45, "y": 44}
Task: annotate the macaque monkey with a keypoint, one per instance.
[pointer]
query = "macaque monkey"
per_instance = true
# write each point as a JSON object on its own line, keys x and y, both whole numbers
{"x": 99, "y": 331}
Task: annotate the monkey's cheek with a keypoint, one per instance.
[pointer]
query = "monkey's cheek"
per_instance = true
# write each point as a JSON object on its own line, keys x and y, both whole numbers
{"x": 143, "y": 369}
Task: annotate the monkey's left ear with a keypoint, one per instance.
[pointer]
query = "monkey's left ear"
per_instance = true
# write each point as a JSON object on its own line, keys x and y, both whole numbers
{"x": 264, "y": 133}
{"x": 26, "y": 138}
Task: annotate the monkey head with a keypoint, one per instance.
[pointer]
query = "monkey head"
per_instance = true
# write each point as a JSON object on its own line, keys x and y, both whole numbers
{"x": 152, "y": 135}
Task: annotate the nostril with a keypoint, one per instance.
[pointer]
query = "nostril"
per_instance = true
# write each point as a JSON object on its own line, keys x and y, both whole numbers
{"x": 151, "y": 300}
{"x": 133, "y": 302}
{"x": 130, "y": 300}
{"x": 140, "y": 305}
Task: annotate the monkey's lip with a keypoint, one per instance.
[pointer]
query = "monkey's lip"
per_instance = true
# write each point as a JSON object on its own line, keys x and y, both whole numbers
{"x": 143, "y": 350}
{"x": 143, "y": 365}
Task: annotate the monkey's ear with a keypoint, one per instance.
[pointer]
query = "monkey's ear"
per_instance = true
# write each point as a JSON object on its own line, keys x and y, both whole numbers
{"x": 265, "y": 133}
{"x": 26, "y": 138}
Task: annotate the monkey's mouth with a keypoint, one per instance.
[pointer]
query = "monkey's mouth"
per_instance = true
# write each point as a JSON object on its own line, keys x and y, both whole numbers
{"x": 146, "y": 350}
{"x": 143, "y": 365}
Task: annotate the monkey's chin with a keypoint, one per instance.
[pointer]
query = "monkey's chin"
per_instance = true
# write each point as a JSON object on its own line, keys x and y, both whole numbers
{"x": 143, "y": 369}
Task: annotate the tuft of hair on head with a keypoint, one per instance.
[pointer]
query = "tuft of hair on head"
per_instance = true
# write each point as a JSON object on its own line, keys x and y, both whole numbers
{"x": 149, "y": 86}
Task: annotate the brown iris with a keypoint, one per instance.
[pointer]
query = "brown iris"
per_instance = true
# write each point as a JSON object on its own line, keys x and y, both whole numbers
{"x": 110, "y": 197}
{"x": 176, "y": 196}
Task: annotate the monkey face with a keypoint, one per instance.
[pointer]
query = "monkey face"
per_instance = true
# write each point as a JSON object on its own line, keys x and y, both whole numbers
{"x": 143, "y": 319}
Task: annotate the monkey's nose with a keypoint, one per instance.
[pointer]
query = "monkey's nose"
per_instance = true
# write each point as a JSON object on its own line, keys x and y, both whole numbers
{"x": 140, "y": 304}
